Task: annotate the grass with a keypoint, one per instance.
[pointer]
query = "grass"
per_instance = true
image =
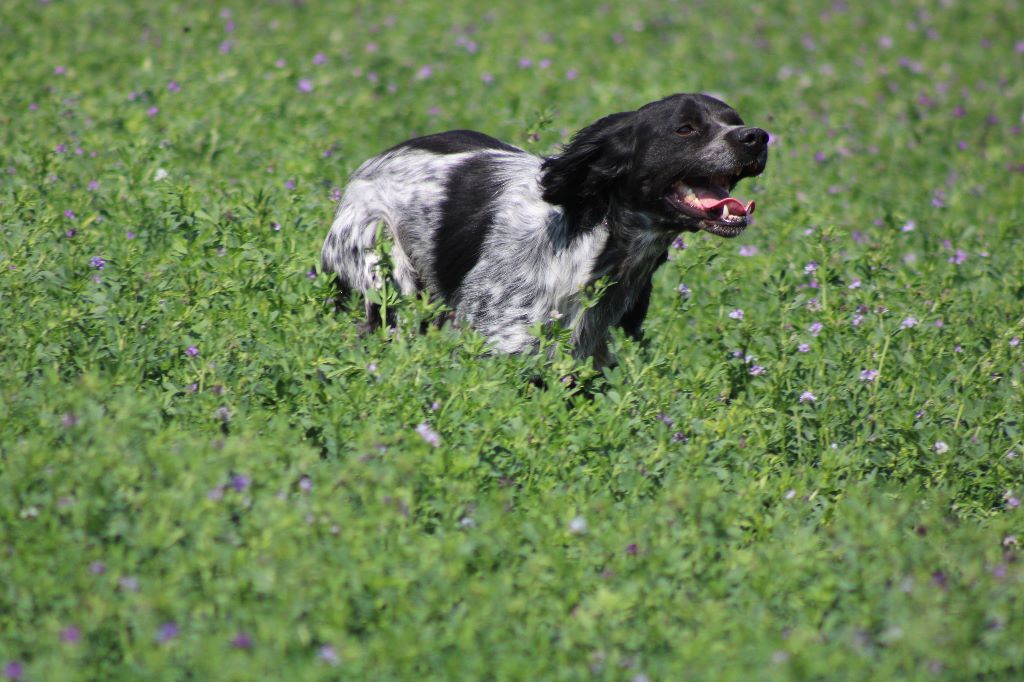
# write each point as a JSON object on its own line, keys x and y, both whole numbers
{"x": 206, "y": 474}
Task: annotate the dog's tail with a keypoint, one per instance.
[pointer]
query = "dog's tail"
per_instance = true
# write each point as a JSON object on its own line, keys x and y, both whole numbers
{"x": 349, "y": 250}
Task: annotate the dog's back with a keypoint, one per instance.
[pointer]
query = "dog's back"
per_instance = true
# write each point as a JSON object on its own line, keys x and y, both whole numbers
{"x": 469, "y": 226}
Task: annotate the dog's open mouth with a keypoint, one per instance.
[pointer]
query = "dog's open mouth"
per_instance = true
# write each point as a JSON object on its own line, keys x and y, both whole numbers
{"x": 708, "y": 200}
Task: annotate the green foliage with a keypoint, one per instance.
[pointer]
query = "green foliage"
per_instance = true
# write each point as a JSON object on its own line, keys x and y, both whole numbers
{"x": 207, "y": 473}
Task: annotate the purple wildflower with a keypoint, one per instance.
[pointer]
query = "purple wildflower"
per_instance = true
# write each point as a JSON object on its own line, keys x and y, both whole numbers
{"x": 544, "y": 63}
{"x": 571, "y": 75}
{"x": 748, "y": 250}
{"x": 128, "y": 583}
{"x": 305, "y": 484}
{"x": 69, "y": 214}
{"x": 679, "y": 437}
{"x": 736, "y": 314}
{"x": 242, "y": 640}
{"x": 683, "y": 290}
{"x": 13, "y": 670}
{"x": 428, "y": 434}
{"x": 97, "y": 262}
{"x": 854, "y": 283}
{"x": 857, "y": 319}
{"x": 97, "y": 568}
{"x": 93, "y": 185}
{"x": 60, "y": 148}
{"x": 804, "y": 348}
{"x": 216, "y": 494}
{"x": 868, "y": 375}
{"x": 678, "y": 243}
{"x": 424, "y": 72}
{"x": 312, "y": 273}
{"x": 941, "y": 447}
{"x": 328, "y": 655}
{"x": 289, "y": 183}
{"x": 807, "y": 397}
{"x": 239, "y": 482}
{"x": 525, "y": 62}
{"x": 71, "y": 635}
{"x": 59, "y": 70}
{"x": 167, "y": 632}
{"x": 958, "y": 257}
{"x": 319, "y": 58}
{"x": 908, "y": 322}
{"x": 757, "y": 370}
{"x": 192, "y": 351}
{"x": 908, "y": 226}
{"x": 174, "y": 86}
{"x": 1014, "y": 342}
{"x": 815, "y": 328}
{"x": 152, "y": 111}
{"x": 305, "y": 85}
{"x": 665, "y": 419}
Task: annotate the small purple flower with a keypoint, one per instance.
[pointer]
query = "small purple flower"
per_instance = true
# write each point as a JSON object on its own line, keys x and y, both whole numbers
{"x": 128, "y": 583}
{"x": 748, "y": 250}
{"x": 679, "y": 437}
{"x": 487, "y": 78}
{"x": 820, "y": 157}
{"x": 1012, "y": 501}
{"x": 857, "y": 319}
{"x": 242, "y": 640}
{"x": 544, "y": 63}
{"x": 1014, "y": 342}
{"x": 223, "y": 413}
{"x": 69, "y": 214}
{"x": 225, "y": 47}
{"x": 941, "y": 447}
{"x": 683, "y": 290}
{"x": 319, "y": 58}
{"x": 174, "y": 86}
{"x": 868, "y": 375}
{"x": 525, "y": 62}
{"x": 571, "y": 75}
{"x": 305, "y": 85}
{"x": 335, "y": 194}
{"x": 908, "y": 226}
{"x": 93, "y": 185}
{"x": 97, "y": 568}
{"x": 807, "y": 397}
{"x": 239, "y": 482}
{"x": 152, "y": 111}
{"x": 424, "y": 72}
{"x": 13, "y": 670}
{"x": 665, "y": 419}
{"x": 167, "y": 632}
{"x": 59, "y": 70}
{"x": 71, "y": 635}
{"x": 632, "y": 549}
{"x": 939, "y": 198}
{"x": 280, "y": 63}
{"x": 815, "y": 328}
{"x": 736, "y": 314}
{"x": 328, "y": 655}
{"x": 216, "y": 494}
{"x": 312, "y": 273}
{"x": 908, "y": 322}
{"x": 97, "y": 262}
{"x": 804, "y": 348}
{"x": 428, "y": 434}
{"x": 958, "y": 257}
{"x": 757, "y": 370}
{"x": 854, "y": 283}
{"x": 678, "y": 243}
{"x": 60, "y": 148}
{"x": 192, "y": 351}
{"x": 305, "y": 484}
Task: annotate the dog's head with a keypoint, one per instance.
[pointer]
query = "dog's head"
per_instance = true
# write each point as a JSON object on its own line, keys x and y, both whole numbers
{"x": 676, "y": 160}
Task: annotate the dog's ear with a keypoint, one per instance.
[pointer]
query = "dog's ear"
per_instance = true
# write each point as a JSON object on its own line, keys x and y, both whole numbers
{"x": 578, "y": 179}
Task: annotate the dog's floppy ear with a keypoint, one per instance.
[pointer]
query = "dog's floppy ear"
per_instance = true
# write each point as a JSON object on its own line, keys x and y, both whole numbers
{"x": 578, "y": 178}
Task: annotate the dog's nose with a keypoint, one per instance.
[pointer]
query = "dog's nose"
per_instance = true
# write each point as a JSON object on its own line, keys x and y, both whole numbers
{"x": 753, "y": 137}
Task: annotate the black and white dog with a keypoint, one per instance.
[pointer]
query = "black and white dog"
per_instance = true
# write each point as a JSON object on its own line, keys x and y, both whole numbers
{"x": 509, "y": 239}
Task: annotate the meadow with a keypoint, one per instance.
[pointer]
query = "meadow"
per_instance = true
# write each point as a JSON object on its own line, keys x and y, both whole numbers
{"x": 810, "y": 469}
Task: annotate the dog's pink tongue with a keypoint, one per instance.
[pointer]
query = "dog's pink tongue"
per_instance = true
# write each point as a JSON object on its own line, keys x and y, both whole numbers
{"x": 713, "y": 198}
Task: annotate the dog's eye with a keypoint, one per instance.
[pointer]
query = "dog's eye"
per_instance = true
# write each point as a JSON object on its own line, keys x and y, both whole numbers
{"x": 686, "y": 130}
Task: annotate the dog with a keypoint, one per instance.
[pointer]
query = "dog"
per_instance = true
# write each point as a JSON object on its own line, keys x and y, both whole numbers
{"x": 509, "y": 239}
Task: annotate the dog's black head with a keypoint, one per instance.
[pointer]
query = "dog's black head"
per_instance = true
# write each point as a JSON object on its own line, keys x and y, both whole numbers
{"x": 676, "y": 160}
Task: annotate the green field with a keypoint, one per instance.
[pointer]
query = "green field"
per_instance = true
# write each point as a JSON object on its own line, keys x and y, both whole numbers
{"x": 206, "y": 474}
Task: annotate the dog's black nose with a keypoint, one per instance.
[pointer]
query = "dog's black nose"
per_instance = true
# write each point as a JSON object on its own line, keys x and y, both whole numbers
{"x": 753, "y": 137}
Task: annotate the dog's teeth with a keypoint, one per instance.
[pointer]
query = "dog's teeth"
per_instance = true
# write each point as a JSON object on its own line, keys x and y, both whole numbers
{"x": 725, "y": 212}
